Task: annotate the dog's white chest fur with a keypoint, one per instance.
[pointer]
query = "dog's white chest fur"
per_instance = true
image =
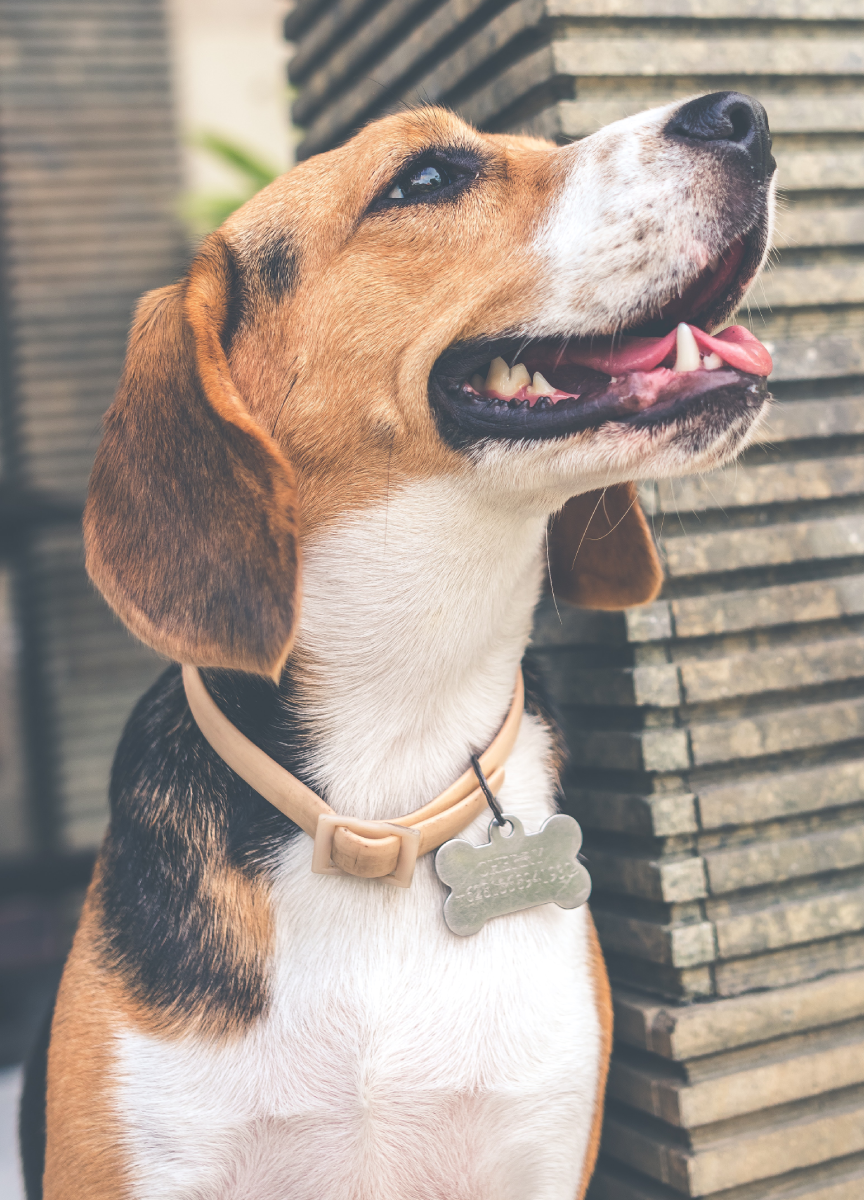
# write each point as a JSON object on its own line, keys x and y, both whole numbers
{"x": 396, "y": 1059}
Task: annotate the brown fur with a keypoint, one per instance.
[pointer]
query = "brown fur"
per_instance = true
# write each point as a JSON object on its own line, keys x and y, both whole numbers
{"x": 603, "y": 997}
{"x": 83, "y": 1155}
{"x": 191, "y": 522}
{"x": 192, "y": 525}
{"x": 601, "y": 553}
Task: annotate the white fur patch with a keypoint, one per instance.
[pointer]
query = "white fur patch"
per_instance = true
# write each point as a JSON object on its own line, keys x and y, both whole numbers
{"x": 637, "y": 217}
{"x": 397, "y": 1059}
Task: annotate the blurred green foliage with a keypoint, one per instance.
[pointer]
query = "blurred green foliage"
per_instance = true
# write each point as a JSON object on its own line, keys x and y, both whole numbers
{"x": 205, "y": 211}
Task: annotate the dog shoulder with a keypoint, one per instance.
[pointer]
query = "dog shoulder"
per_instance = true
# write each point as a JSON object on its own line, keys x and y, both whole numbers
{"x": 182, "y": 890}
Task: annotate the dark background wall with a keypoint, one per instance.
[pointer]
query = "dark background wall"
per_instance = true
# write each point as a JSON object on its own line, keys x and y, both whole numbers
{"x": 89, "y": 184}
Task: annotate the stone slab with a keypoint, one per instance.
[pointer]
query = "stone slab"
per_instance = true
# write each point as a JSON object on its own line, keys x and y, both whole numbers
{"x": 784, "y": 968}
{"x": 629, "y": 686}
{"x": 764, "y": 545}
{"x": 364, "y": 46}
{"x": 519, "y": 21}
{"x": 791, "y": 922}
{"x": 799, "y": 727}
{"x": 639, "y": 750}
{"x": 301, "y": 15}
{"x": 674, "y": 945}
{"x": 782, "y": 668}
{"x": 727, "y": 978}
{"x": 647, "y": 816}
{"x": 768, "y": 796}
{"x": 760, "y": 608}
{"x": 822, "y": 283}
{"x": 397, "y": 66}
{"x": 682, "y": 56}
{"x": 818, "y": 170}
{"x": 650, "y": 623}
{"x": 799, "y": 226}
{"x": 747, "y": 484}
{"x": 557, "y": 625}
{"x": 793, "y": 1068}
{"x": 763, "y": 862}
{"x": 788, "y": 113}
{"x": 842, "y": 1180}
{"x": 333, "y": 20}
{"x": 711, "y": 10}
{"x": 667, "y": 880}
{"x": 831, "y": 356}
{"x": 710, "y": 1027}
{"x": 672, "y": 984}
{"x": 763, "y": 1144}
{"x": 791, "y": 420}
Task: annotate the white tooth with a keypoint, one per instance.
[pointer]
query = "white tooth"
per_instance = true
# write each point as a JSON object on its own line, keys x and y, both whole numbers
{"x": 519, "y": 377}
{"x": 540, "y": 386}
{"x": 687, "y": 356}
{"x": 498, "y": 379}
{"x": 714, "y": 263}
{"x": 712, "y": 361}
{"x": 478, "y": 383}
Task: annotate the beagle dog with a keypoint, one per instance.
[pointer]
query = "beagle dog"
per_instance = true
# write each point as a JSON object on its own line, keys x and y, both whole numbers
{"x": 426, "y": 368}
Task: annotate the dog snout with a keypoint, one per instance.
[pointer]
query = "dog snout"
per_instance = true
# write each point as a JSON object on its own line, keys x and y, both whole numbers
{"x": 728, "y": 122}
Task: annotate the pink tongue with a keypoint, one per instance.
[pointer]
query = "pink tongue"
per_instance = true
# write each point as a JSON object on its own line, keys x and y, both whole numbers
{"x": 736, "y": 346}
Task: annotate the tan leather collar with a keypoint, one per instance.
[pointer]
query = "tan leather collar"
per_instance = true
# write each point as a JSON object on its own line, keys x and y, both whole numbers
{"x": 371, "y": 849}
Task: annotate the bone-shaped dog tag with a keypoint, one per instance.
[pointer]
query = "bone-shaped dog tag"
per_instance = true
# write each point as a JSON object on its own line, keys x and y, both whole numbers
{"x": 512, "y": 872}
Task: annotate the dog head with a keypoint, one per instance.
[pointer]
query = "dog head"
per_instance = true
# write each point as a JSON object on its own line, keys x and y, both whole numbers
{"x": 429, "y": 300}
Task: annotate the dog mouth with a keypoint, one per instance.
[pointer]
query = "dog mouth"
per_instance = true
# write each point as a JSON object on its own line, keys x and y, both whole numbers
{"x": 649, "y": 374}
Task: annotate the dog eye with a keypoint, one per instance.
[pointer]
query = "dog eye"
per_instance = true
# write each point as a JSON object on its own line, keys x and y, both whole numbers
{"x": 420, "y": 181}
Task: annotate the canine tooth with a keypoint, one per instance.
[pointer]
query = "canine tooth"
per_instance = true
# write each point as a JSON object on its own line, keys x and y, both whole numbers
{"x": 519, "y": 377}
{"x": 687, "y": 356}
{"x": 712, "y": 361}
{"x": 540, "y": 386}
{"x": 498, "y": 379}
{"x": 478, "y": 383}
{"x": 714, "y": 263}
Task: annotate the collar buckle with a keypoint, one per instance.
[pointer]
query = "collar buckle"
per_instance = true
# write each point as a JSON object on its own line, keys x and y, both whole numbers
{"x": 325, "y": 832}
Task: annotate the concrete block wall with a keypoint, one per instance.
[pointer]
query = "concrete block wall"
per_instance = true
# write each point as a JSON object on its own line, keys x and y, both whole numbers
{"x": 716, "y": 736}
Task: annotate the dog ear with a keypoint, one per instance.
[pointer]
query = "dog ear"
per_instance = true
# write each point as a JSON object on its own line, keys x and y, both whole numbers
{"x": 601, "y": 552}
{"x": 191, "y": 521}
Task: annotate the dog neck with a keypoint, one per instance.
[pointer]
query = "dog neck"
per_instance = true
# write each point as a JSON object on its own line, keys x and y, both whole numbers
{"x": 416, "y": 615}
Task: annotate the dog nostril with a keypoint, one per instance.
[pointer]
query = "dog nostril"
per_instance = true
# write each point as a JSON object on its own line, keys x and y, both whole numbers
{"x": 727, "y": 122}
{"x": 740, "y": 120}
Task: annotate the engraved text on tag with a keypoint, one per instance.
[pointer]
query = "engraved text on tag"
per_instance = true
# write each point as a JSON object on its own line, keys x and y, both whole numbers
{"x": 511, "y": 873}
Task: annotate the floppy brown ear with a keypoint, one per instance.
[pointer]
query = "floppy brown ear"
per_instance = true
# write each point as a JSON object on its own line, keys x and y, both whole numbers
{"x": 191, "y": 520}
{"x": 601, "y": 552}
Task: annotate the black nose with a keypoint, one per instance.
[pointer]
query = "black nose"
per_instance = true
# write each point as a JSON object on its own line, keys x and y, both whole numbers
{"x": 729, "y": 122}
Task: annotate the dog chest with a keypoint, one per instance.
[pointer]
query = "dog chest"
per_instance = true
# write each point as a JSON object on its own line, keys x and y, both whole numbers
{"x": 395, "y": 1059}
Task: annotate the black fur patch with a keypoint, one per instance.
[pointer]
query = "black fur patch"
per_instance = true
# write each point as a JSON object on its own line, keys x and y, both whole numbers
{"x": 177, "y": 811}
{"x": 278, "y": 267}
{"x": 238, "y": 299}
